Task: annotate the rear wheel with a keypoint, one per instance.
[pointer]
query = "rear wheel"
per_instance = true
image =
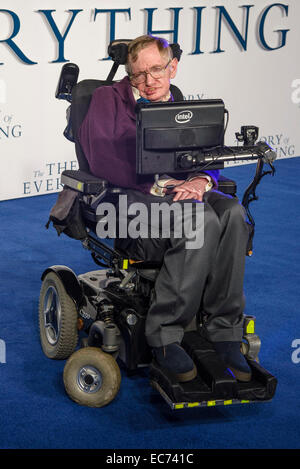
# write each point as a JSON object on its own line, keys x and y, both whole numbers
{"x": 92, "y": 377}
{"x": 57, "y": 319}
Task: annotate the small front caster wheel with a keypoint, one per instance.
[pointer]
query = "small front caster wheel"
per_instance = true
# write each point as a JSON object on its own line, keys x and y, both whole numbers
{"x": 92, "y": 377}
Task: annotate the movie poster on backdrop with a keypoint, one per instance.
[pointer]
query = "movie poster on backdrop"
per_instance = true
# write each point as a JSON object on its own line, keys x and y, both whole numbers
{"x": 242, "y": 52}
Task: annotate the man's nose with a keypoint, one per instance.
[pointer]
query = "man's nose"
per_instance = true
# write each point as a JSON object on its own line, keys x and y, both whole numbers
{"x": 149, "y": 79}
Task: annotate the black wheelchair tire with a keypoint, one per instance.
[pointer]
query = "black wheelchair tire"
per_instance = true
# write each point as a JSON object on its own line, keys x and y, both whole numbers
{"x": 57, "y": 344}
{"x": 92, "y": 377}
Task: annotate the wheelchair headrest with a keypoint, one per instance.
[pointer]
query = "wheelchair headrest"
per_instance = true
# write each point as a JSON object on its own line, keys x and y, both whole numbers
{"x": 118, "y": 50}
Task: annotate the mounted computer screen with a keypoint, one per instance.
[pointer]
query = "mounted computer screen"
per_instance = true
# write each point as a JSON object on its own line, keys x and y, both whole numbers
{"x": 167, "y": 130}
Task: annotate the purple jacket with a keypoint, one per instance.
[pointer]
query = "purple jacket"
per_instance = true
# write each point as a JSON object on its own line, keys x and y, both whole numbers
{"x": 108, "y": 137}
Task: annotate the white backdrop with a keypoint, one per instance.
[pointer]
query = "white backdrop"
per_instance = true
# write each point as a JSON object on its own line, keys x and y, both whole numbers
{"x": 246, "y": 54}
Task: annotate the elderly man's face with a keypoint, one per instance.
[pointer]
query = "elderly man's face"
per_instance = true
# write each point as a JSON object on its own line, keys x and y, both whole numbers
{"x": 153, "y": 89}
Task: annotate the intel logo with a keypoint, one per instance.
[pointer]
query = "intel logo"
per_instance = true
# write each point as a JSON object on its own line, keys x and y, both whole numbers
{"x": 183, "y": 117}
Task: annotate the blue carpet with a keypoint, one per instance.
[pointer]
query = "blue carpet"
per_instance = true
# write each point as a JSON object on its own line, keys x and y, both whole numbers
{"x": 35, "y": 412}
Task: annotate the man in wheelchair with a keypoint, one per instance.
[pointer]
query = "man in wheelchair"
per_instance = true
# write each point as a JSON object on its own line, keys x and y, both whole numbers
{"x": 209, "y": 279}
{"x": 187, "y": 302}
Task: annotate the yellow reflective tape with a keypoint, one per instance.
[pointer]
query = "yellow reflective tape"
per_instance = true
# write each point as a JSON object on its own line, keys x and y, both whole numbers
{"x": 179, "y": 406}
{"x": 80, "y": 186}
{"x": 244, "y": 402}
{"x": 193, "y": 404}
{"x": 227, "y": 402}
{"x": 211, "y": 403}
{"x": 125, "y": 264}
{"x": 250, "y": 327}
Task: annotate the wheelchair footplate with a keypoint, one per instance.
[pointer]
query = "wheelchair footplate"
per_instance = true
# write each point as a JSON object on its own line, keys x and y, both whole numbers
{"x": 214, "y": 384}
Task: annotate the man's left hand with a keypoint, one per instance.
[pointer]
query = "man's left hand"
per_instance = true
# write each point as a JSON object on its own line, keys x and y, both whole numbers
{"x": 190, "y": 190}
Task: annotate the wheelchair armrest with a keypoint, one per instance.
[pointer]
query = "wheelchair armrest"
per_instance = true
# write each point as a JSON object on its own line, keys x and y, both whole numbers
{"x": 92, "y": 188}
{"x": 83, "y": 182}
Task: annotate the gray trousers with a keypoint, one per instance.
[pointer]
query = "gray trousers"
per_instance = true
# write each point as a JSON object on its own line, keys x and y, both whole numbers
{"x": 207, "y": 280}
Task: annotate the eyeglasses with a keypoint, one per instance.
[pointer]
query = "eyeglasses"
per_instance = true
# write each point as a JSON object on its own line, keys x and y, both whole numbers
{"x": 155, "y": 72}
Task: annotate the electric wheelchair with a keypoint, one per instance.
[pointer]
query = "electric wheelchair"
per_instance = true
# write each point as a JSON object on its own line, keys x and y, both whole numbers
{"x": 106, "y": 308}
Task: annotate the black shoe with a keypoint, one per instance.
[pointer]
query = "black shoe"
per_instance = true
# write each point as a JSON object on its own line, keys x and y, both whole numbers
{"x": 231, "y": 355}
{"x": 175, "y": 359}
